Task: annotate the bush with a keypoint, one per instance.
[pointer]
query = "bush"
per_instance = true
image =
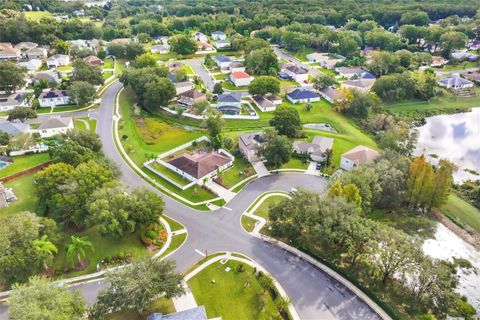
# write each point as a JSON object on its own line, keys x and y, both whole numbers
{"x": 151, "y": 234}
{"x": 240, "y": 268}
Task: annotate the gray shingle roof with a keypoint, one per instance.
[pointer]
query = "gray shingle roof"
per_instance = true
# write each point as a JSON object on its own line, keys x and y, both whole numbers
{"x": 232, "y": 97}
{"x": 55, "y": 122}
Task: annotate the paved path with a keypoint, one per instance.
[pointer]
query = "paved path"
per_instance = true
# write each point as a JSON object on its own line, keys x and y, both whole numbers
{"x": 314, "y": 294}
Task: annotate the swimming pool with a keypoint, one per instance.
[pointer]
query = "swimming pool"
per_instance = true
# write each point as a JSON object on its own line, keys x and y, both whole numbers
{"x": 3, "y": 164}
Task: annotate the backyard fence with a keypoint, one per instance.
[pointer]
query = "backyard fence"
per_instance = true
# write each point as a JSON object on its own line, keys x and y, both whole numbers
{"x": 26, "y": 172}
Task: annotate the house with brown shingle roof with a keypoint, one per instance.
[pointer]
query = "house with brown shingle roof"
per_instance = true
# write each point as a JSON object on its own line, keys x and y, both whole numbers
{"x": 357, "y": 156}
{"x": 191, "y": 97}
{"x": 201, "y": 165}
{"x": 93, "y": 60}
{"x": 8, "y": 52}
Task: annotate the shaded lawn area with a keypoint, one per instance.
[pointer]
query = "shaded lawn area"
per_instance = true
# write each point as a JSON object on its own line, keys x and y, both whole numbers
{"x": 162, "y": 305}
{"x": 119, "y": 66}
{"x": 240, "y": 170}
{"x": 262, "y": 210}
{"x": 293, "y": 163}
{"x": 175, "y": 177}
{"x": 188, "y": 69}
{"x": 23, "y": 188}
{"x": 462, "y": 211}
{"x": 410, "y": 222}
{"x": 229, "y": 297}
{"x": 23, "y": 162}
{"x": 288, "y": 83}
{"x": 103, "y": 247}
{"x": 248, "y": 223}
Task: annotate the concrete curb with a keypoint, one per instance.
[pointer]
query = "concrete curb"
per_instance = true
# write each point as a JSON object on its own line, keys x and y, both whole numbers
{"x": 251, "y": 263}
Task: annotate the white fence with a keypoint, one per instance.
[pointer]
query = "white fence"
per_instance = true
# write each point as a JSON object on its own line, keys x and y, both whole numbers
{"x": 201, "y": 117}
{"x": 22, "y": 152}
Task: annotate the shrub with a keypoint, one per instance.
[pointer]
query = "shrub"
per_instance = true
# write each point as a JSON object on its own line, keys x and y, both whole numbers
{"x": 240, "y": 268}
{"x": 151, "y": 234}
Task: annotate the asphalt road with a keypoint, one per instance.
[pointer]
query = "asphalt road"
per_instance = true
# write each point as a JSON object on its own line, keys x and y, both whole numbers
{"x": 314, "y": 72}
{"x": 196, "y": 64}
{"x": 314, "y": 294}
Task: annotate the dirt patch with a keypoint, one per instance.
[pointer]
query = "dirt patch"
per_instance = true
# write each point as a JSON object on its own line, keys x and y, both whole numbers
{"x": 469, "y": 236}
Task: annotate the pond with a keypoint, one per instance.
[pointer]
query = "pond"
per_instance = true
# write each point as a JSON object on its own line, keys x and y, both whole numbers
{"x": 446, "y": 245}
{"x": 455, "y": 137}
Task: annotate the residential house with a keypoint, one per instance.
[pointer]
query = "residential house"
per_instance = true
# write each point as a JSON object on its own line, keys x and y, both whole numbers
{"x": 55, "y": 125}
{"x": 296, "y": 73}
{"x": 267, "y": 102}
{"x": 455, "y": 83}
{"x": 222, "y": 44}
{"x": 48, "y": 76}
{"x": 95, "y": 45}
{"x": 204, "y": 47}
{"x": 219, "y": 35}
{"x": 200, "y": 166}
{"x": 223, "y": 62}
{"x": 159, "y": 48}
{"x": 317, "y": 57}
{"x": 93, "y": 60}
{"x": 236, "y": 67}
{"x": 25, "y": 46}
{"x": 79, "y": 13}
{"x": 190, "y": 97}
{"x": 240, "y": 79}
{"x": 53, "y": 98}
{"x": 31, "y": 65}
{"x": 473, "y": 45}
{"x": 330, "y": 64}
{"x": 249, "y": 144}
{"x": 438, "y": 62}
{"x": 299, "y": 96}
{"x": 332, "y": 95}
{"x": 14, "y": 128}
{"x": 464, "y": 55}
{"x": 475, "y": 77}
{"x": 200, "y": 37}
{"x": 363, "y": 85}
{"x": 197, "y": 313}
{"x": 58, "y": 60}
{"x": 78, "y": 44}
{"x": 121, "y": 41}
{"x": 12, "y": 101}
{"x": 8, "y": 52}
{"x": 349, "y": 73}
{"x": 315, "y": 149}
{"x": 357, "y": 156}
{"x": 230, "y": 99}
{"x": 36, "y": 53}
{"x": 184, "y": 86}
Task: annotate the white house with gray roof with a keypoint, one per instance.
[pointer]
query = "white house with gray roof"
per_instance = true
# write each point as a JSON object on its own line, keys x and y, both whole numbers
{"x": 55, "y": 125}
{"x": 455, "y": 83}
{"x": 58, "y": 60}
{"x": 14, "y": 128}
{"x": 12, "y": 101}
{"x": 315, "y": 149}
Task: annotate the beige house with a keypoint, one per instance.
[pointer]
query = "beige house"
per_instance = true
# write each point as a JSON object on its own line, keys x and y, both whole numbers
{"x": 55, "y": 125}
{"x": 249, "y": 144}
{"x": 357, "y": 156}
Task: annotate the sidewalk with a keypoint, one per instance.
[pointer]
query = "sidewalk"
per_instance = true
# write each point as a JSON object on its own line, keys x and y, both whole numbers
{"x": 220, "y": 191}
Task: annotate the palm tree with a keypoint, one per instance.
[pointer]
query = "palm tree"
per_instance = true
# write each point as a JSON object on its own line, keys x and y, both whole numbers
{"x": 45, "y": 246}
{"x": 76, "y": 250}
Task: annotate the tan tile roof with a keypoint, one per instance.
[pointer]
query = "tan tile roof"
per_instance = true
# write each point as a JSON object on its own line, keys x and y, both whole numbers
{"x": 361, "y": 154}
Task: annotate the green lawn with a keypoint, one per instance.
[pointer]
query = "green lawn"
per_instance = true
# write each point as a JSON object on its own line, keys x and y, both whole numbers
{"x": 294, "y": 163}
{"x": 37, "y": 15}
{"x": 220, "y": 76}
{"x": 68, "y": 107}
{"x": 174, "y": 225}
{"x": 162, "y": 305}
{"x": 80, "y": 124}
{"x": 23, "y": 188}
{"x": 227, "y": 85}
{"x": 462, "y": 211}
{"x": 175, "y": 177}
{"x": 240, "y": 170}
{"x": 248, "y": 223}
{"x": 21, "y": 163}
{"x": 288, "y": 83}
{"x": 262, "y": 210}
{"x": 177, "y": 241}
{"x": 65, "y": 68}
{"x": 188, "y": 69}
{"x": 234, "y": 295}
{"x": 107, "y": 74}
{"x": 462, "y": 65}
{"x": 326, "y": 71}
{"x": 302, "y": 56}
{"x": 108, "y": 64}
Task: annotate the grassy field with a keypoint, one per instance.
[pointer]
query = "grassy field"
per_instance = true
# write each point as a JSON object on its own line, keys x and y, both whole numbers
{"x": 302, "y": 56}
{"x": 37, "y": 15}
{"x": 108, "y": 64}
{"x": 68, "y": 107}
{"x": 23, "y": 188}
{"x": 326, "y": 71}
{"x": 107, "y": 74}
{"x": 462, "y": 211}
{"x": 175, "y": 177}
{"x": 21, "y": 163}
{"x": 174, "y": 225}
{"x": 162, "y": 305}
{"x": 229, "y": 297}
{"x": 262, "y": 210}
{"x": 240, "y": 170}
{"x": 65, "y": 68}
{"x": 80, "y": 124}
{"x": 248, "y": 223}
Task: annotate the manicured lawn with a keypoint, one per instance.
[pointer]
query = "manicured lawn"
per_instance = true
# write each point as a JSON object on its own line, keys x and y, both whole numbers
{"x": 234, "y": 295}
{"x": 68, "y": 107}
{"x": 188, "y": 69}
{"x": 174, "y": 225}
{"x": 21, "y": 163}
{"x": 23, "y": 188}
{"x": 326, "y": 71}
{"x": 288, "y": 83}
{"x": 37, "y": 15}
{"x": 175, "y": 177}
{"x": 462, "y": 65}
{"x": 119, "y": 66}
{"x": 108, "y": 64}
{"x": 65, "y": 68}
{"x": 462, "y": 211}
{"x": 227, "y": 85}
{"x": 294, "y": 164}
{"x": 248, "y": 223}
{"x": 177, "y": 241}
{"x": 81, "y": 124}
{"x": 220, "y": 76}
{"x": 162, "y": 305}
{"x": 107, "y": 74}
{"x": 103, "y": 247}
{"x": 43, "y": 110}
{"x": 302, "y": 56}
{"x": 262, "y": 210}
{"x": 240, "y": 170}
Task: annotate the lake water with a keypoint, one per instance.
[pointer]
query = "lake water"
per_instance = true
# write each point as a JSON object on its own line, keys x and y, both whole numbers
{"x": 455, "y": 137}
{"x": 447, "y": 245}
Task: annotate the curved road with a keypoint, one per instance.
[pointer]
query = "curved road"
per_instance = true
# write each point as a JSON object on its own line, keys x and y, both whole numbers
{"x": 314, "y": 294}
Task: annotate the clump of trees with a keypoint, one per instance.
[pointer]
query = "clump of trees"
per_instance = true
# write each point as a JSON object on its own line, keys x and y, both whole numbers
{"x": 399, "y": 86}
{"x": 286, "y": 121}
{"x": 12, "y": 77}
{"x": 277, "y": 150}
{"x": 263, "y": 85}
{"x": 262, "y": 62}
{"x": 182, "y": 44}
{"x": 125, "y": 50}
